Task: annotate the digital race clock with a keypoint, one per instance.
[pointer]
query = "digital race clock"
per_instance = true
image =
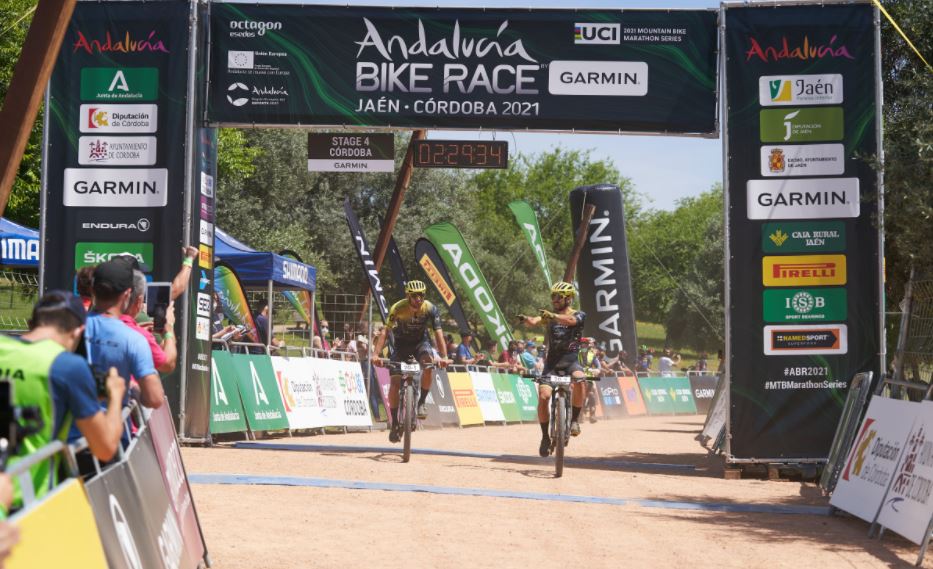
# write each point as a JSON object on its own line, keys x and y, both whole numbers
{"x": 461, "y": 154}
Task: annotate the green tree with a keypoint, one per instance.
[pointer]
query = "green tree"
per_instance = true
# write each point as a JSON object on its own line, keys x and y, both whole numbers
{"x": 23, "y": 207}
{"x": 908, "y": 142}
{"x": 544, "y": 181}
{"x": 677, "y": 269}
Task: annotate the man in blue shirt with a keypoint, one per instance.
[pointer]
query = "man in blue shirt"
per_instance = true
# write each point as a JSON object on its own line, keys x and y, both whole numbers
{"x": 110, "y": 342}
{"x": 464, "y": 354}
{"x": 529, "y": 359}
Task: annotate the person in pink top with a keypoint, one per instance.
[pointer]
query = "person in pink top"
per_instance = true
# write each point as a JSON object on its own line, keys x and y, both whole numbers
{"x": 164, "y": 355}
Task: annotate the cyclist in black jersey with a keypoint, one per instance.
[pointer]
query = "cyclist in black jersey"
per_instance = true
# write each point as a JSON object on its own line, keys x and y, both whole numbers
{"x": 564, "y": 330}
{"x": 409, "y": 320}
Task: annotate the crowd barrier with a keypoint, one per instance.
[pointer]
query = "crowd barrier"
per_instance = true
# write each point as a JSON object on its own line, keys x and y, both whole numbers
{"x": 887, "y": 476}
{"x": 135, "y": 512}
{"x": 257, "y": 392}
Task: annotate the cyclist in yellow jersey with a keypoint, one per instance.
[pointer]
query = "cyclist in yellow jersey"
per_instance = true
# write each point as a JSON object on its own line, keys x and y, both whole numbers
{"x": 409, "y": 320}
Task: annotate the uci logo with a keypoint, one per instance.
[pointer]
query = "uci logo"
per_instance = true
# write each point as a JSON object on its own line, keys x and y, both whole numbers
{"x": 596, "y": 34}
{"x": 233, "y": 92}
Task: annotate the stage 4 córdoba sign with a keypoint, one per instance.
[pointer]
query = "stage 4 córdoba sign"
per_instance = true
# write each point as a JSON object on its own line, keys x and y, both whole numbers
{"x": 350, "y": 152}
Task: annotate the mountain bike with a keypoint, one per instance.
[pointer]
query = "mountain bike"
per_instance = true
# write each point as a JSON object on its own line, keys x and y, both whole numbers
{"x": 559, "y": 425}
{"x": 407, "y": 400}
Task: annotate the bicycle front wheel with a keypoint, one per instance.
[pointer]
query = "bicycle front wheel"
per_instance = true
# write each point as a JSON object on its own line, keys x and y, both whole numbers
{"x": 559, "y": 430}
{"x": 408, "y": 422}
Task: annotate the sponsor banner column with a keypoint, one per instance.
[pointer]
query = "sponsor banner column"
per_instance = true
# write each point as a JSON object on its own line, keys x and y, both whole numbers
{"x": 115, "y": 149}
{"x": 603, "y": 270}
{"x": 803, "y": 295}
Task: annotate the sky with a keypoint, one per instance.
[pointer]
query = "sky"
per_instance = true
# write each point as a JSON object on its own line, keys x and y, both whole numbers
{"x": 664, "y": 169}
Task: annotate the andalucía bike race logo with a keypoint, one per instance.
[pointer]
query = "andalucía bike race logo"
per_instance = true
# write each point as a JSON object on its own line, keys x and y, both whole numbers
{"x": 126, "y": 44}
{"x": 804, "y": 50}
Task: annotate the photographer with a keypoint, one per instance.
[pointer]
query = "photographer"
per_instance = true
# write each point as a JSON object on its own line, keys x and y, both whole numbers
{"x": 47, "y": 376}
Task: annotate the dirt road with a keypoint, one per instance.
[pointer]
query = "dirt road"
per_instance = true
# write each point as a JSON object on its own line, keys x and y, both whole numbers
{"x": 639, "y": 493}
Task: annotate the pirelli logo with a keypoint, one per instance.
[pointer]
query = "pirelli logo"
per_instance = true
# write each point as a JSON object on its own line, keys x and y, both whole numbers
{"x": 465, "y": 398}
{"x": 443, "y": 288}
{"x": 804, "y": 270}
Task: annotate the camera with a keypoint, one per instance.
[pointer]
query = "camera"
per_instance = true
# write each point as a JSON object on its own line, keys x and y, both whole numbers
{"x": 158, "y": 297}
{"x": 100, "y": 381}
{"x": 16, "y": 423}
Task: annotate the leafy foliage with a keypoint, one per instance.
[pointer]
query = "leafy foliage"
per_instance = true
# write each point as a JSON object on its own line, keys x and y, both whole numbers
{"x": 908, "y": 142}
{"x": 677, "y": 269}
{"x": 23, "y": 207}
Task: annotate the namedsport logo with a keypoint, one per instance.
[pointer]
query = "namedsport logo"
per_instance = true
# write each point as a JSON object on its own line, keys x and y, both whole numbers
{"x": 236, "y": 94}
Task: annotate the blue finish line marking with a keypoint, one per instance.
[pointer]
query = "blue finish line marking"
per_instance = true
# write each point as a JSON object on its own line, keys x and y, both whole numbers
{"x": 569, "y": 461}
{"x": 248, "y": 479}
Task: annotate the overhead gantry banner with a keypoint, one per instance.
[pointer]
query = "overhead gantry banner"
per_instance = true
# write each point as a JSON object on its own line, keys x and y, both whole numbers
{"x": 618, "y": 71}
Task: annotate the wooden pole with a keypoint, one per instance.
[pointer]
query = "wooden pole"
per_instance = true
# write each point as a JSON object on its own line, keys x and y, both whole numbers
{"x": 395, "y": 204}
{"x": 30, "y": 76}
{"x": 582, "y": 232}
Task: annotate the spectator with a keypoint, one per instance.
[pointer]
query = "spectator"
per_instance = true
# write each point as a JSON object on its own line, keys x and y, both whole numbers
{"x": 722, "y": 362}
{"x": 666, "y": 363}
{"x": 451, "y": 346}
{"x": 180, "y": 282}
{"x": 83, "y": 284}
{"x": 110, "y": 343}
{"x": 507, "y": 356}
{"x": 362, "y": 348}
{"x": 529, "y": 359}
{"x": 59, "y": 383}
{"x": 164, "y": 355}
{"x": 262, "y": 325}
{"x": 702, "y": 365}
{"x": 464, "y": 354}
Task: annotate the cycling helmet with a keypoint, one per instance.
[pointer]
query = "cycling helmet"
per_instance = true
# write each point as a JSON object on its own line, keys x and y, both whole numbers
{"x": 415, "y": 287}
{"x": 564, "y": 289}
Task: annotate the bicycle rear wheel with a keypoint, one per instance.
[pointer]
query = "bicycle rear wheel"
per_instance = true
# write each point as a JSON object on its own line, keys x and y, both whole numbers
{"x": 408, "y": 408}
{"x": 559, "y": 430}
